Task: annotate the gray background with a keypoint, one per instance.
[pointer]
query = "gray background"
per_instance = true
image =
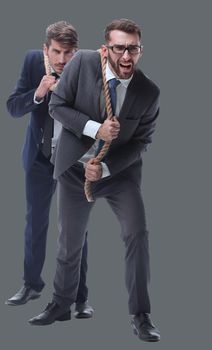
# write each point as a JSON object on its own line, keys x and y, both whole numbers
{"x": 176, "y": 181}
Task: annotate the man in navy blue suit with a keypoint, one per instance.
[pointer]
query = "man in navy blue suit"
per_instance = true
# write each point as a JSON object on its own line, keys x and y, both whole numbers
{"x": 31, "y": 95}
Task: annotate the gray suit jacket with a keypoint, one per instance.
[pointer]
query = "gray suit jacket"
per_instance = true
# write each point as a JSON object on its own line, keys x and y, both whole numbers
{"x": 77, "y": 100}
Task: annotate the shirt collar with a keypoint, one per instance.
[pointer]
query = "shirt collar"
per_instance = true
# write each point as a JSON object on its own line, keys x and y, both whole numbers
{"x": 110, "y": 75}
{"x": 53, "y": 71}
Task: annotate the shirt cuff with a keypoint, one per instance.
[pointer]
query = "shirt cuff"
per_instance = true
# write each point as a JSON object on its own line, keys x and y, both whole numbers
{"x": 105, "y": 170}
{"x": 91, "y": 128}
{"x": 35, "y": 101}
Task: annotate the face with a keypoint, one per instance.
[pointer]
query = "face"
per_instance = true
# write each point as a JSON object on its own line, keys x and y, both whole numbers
{"x": 58, "y": 55}
{"x": 122, "y": 65}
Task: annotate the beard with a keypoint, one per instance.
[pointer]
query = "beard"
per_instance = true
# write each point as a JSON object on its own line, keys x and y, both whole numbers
{"x": 122, "y": 69}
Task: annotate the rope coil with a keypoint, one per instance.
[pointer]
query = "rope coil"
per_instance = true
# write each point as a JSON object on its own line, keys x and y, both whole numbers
{"x": 103, "y": 151}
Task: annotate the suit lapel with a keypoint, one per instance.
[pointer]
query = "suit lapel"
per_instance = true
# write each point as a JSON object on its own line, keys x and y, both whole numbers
{"x": 97, "y": 92}
{"x": 42, "y": 67}
{"x": 130, "y": 98}
{"x": 39, "y": 70}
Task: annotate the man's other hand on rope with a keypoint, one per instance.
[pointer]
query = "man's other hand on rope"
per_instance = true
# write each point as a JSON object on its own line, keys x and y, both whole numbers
{"x": 93, "y": 171}
{"x": 109, "y": 130}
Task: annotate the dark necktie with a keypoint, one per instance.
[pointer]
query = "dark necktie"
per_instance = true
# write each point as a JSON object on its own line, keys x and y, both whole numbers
{"x": 48, "y": 132}
{"x": 113, "y": 83}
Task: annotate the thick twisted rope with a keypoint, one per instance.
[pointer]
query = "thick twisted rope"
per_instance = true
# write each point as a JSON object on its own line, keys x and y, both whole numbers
{"x": 46, "y": 64}
{"x": 103, "y": 151}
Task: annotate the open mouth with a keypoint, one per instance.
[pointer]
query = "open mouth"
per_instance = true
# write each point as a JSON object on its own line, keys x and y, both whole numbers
{"x": 126, "y": 66}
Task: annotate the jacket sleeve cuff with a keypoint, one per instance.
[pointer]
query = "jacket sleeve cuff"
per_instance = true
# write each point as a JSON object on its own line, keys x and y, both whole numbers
{"x": 36, "y": 101}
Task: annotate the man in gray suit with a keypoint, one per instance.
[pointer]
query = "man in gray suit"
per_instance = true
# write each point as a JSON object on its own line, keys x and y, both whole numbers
{"x": 79, "y": 105}
{"x": 32, "y": 95}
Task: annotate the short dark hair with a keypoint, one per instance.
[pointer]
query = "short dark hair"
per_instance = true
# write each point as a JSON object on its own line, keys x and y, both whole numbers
{"x": 62, "y": 32}
{"x": 123, "y": 24}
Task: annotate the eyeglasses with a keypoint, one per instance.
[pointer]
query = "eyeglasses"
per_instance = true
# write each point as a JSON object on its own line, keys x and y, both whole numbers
{"x": 120, "y": 49}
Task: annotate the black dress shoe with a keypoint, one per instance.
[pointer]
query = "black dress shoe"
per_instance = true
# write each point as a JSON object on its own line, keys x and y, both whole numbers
{"x": 23, "y": 296}
{"x": 83, "y": 310}
{"x": 144, "y": 328}
{"x": 52, "y": 313}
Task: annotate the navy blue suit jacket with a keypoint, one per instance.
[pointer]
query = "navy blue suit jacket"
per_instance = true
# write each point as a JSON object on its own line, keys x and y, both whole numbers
{"x": 20, "y": 102}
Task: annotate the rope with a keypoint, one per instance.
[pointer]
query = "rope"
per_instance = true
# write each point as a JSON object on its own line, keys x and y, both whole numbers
{"x": 103, "y": 151}
{"x": 46, "y": 64}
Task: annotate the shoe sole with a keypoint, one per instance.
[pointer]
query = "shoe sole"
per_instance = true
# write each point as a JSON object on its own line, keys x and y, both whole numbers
{"x": 80, "y": 316}
{"x": 11, "y": 303}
